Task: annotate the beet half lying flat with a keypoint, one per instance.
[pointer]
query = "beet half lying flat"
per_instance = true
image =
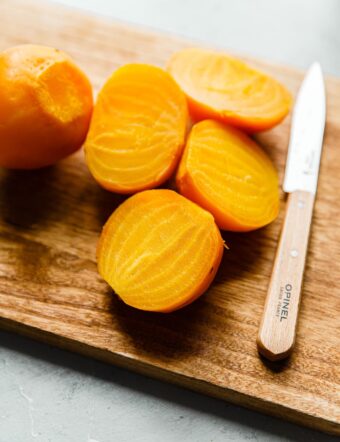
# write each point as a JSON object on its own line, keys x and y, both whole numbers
{"x": 159, "y": 251}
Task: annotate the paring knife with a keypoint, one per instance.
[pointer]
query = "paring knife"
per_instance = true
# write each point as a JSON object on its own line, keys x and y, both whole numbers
{"x": 278, "y": 326}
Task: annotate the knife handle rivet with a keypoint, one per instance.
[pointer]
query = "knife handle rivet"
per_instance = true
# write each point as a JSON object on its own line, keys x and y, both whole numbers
{"x": 294, "y": 253}
{"x": 301, "y": 204}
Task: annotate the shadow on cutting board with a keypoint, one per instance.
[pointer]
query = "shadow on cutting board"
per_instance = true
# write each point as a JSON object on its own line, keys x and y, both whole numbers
{"x": 194, "y": 329}
{"x": 65, "y": 193}
{"x": 27, "y": 197}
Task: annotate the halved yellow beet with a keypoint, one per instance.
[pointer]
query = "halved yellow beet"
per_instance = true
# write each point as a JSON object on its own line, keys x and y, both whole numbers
{"x": 159, "y": 251}
{"x": 227, "y": 173}
{"x": 222, "y": 87}
{"x": 137, "y": 130}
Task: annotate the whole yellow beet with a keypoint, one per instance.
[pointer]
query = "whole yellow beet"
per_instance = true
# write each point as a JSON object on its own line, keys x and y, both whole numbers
{"x": 45, "y": 106}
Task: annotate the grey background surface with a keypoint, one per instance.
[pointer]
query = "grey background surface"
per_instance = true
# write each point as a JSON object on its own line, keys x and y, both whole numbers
{"x": 50, "y": 395}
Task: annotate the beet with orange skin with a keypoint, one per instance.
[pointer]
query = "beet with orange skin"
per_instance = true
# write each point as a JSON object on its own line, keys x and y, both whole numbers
{"x": 45, "y": 106}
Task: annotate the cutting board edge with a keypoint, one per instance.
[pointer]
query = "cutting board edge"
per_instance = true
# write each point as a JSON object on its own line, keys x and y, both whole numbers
{"x": 197, "y": 385}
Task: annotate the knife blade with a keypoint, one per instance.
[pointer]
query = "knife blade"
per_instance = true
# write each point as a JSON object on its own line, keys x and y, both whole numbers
{"x": 277, "y": 331}
{"x": 307, "y": 129}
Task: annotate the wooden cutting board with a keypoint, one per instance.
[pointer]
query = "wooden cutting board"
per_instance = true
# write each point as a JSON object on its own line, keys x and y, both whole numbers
{"x": 49, "y": 225}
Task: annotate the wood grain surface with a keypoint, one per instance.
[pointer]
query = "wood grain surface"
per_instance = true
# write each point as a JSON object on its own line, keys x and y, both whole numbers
{"x": 49, "y": 225}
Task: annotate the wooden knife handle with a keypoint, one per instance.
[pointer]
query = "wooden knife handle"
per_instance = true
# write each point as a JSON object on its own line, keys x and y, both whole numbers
{"x": 278, "y": 325}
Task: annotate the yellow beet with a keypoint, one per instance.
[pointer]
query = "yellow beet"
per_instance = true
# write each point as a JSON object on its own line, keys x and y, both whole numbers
{"x": 45, "y": 106}
{"x": 224, "y": 88}
{"x": 227, "y": 173}
{"x": 137, "y": 130}
{"x": 159, "y": 251}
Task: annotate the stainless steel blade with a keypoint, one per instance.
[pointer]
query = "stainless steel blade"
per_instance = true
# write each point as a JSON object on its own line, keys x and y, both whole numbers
{"x": 306, "y": 138}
